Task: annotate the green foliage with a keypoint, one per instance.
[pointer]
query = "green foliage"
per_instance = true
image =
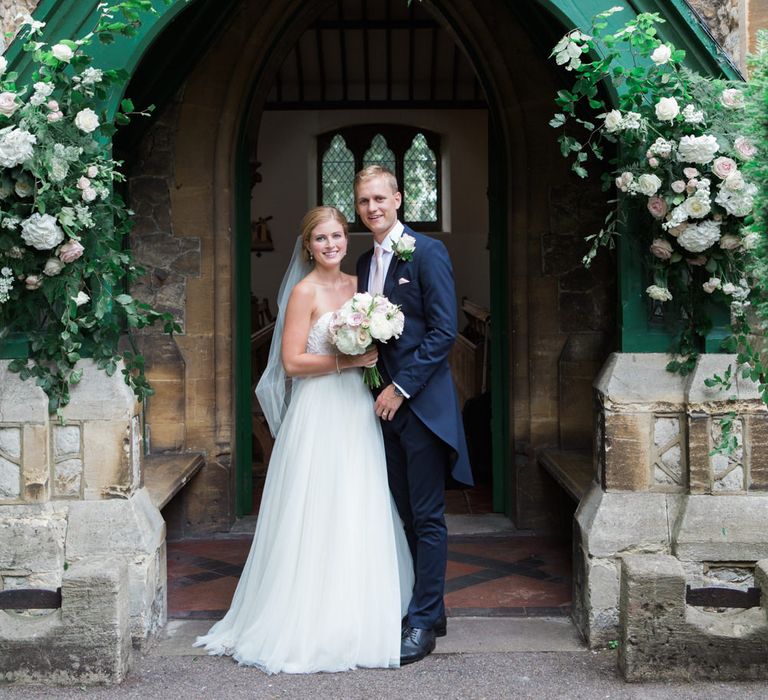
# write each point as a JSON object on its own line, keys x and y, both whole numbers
{"x": 63, "y": 272}
{"x": 690, "y": 177}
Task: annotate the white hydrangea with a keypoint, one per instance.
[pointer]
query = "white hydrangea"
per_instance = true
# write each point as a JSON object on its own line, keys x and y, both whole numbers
{"x": 84, "y": 215}
{"x": 693, "y": 115}
{"x": 632, "y": 120}
{"x": 739, "y": 202}
{"x": 659, "y": 293}
{"x": 661, "y": 148}
{"x": 750, "y": 241}
{"x": 698, "y": 238}
{"x": 41, "y": 231}
{"x": 697, "y": 149}
{"x": 15, "y": 146}
{"x": 6, "y": 284}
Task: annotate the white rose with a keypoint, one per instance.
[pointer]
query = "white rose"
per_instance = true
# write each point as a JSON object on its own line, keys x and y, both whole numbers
{"x": 41, "y": 231}
{"x": 711, "y": 285}
{"x": 92, "y": 171}
{"x": 729, "y": 288}
{"x": 648, "y": 184}
{"x": 697, "y": 149}
{"x": 667, "y": 109}
{"x": 89, "y": 194}
{"x": 81, "y": 298}
{"x": 698, "y": 238}
{"x": 8, "y": 104}
{"x": 24, "y": 188}
{"x": 43, "y": 89}
{"x": 734, "y": 182}
{"x": 613, "y": 121}
{"x": 86, "y": 120}
{"x": 661, "y": 248}
{"x": 53, "y": 266}
{"x": 15, "y": 146}
{"x": 661, "y": 55}
{"x": 659, "y": 293}
{"x": 729, "y": 242}
{"x": 732, "y": 98}
{"x": 62, "y": 52}
{"x": 750, "y": 241}
{"x": 83, "y": 183}
{"x": 698, "y": 206}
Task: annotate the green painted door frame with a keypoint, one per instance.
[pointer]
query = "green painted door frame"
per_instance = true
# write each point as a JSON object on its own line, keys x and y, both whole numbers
{"x": 72, "y": 18}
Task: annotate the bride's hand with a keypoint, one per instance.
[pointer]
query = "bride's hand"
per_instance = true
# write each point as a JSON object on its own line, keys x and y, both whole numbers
{"x": 369, "y": 359}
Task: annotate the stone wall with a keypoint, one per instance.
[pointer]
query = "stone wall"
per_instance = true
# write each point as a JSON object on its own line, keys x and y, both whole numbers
{"x": 663, "y": 490}
{"x": 9, "y": 17}
{"x": 71, "y": 492}
{"x": 725, "y": 20}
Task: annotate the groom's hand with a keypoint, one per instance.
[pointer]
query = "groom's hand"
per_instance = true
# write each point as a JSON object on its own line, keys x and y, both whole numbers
{"x": 387, "y": 403}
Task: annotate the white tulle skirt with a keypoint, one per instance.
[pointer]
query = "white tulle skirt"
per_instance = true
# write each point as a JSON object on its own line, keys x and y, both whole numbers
{"x": 329, "y": 574}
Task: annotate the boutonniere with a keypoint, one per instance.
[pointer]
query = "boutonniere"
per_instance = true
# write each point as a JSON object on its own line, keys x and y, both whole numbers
{"x": 403, "y": 248}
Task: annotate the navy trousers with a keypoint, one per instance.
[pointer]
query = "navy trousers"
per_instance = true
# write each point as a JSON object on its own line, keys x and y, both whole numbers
{"x": 417, "y": 462}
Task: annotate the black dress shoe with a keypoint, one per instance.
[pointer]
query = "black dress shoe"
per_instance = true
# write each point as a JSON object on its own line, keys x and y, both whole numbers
{"x": 440, "y": 628}
{"x": 416, "y": 644}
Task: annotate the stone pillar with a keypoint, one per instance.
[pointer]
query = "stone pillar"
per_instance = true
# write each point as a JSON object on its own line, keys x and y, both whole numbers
{"x": 71, "y": 492}
{"x": 661, "y": 491}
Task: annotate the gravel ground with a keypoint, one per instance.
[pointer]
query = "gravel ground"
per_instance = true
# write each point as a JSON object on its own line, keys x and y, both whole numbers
{"x": 556, "y": 675}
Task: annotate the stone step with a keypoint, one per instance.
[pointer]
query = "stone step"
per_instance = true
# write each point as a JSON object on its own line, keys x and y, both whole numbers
{"x": 166, "y": 474}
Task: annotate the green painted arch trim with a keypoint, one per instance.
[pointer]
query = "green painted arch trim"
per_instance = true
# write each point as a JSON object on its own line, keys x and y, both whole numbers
{"x": 74, "y": 18}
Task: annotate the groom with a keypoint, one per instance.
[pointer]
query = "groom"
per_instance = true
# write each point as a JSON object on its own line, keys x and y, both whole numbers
{"x": 421, "y": 422}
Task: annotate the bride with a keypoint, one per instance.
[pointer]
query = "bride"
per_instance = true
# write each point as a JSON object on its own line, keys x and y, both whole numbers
{"x": 329, "y": 574}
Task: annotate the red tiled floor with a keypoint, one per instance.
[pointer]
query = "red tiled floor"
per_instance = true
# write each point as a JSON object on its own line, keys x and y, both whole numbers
{"x": 489, "y": 576}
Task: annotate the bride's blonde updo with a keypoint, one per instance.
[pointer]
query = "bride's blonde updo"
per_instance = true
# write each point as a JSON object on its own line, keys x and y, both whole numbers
{"x": 316, "y": 216}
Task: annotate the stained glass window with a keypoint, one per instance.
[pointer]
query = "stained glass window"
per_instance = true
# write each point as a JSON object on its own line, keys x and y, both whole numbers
{"x": 420, "y": 186}
{"x": 379, "y": 154}
{"x": 338, "y": 177}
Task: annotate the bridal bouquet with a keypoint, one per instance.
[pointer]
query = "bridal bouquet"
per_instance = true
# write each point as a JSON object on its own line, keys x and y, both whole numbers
{"x": 363, "y": 319}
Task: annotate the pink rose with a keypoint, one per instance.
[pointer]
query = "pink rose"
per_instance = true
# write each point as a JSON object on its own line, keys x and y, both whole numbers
{"x": 698, "y": 261}
{"x": 723, "y": 167}
{"x": 355, "y": 319}
{"x": 657, "y": 206}
{"x": 729, "y": 242}
{"x": 70, "y": 251}
{"x": 83, "y": 183}
{"x": 690, "y": 172}
{"x": 653, "y": 162}
{"x": 678, "y": 186}
{"x": 677, "y": 230}
{"x": 692, "y": 185}
{"x": 52, "y": 105}
{"x": 55, "y": 116}
{"x": 33, "y": 282}
{"x": 8, "y": 104}
{"x": 661, "y": 248}
{"x": 744, "y": 147}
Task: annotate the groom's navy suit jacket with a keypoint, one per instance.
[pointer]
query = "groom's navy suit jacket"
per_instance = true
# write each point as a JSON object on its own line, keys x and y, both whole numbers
{"x": 418, "y": 361}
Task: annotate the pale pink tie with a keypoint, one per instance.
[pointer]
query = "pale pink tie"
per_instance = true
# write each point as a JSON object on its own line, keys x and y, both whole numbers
{"x": 377, "y": 281}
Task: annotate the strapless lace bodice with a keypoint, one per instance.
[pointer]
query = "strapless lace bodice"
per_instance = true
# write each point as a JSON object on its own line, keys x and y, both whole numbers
{"x": 319, "y": 342}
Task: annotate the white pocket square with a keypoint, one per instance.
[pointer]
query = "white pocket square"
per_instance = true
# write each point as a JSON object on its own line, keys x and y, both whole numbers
{"x": 402, "y": 280}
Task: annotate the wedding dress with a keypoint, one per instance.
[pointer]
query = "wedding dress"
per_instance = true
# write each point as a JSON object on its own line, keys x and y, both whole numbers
{"x": 329, "y": 574}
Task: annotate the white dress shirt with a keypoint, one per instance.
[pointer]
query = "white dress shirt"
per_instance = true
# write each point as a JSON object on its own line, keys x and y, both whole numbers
{"x": 386, "y": 248}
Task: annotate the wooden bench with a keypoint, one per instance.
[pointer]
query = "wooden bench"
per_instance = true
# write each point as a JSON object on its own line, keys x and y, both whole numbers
{"x": 166, "y": 474}
{"x": 571, "y": 469}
